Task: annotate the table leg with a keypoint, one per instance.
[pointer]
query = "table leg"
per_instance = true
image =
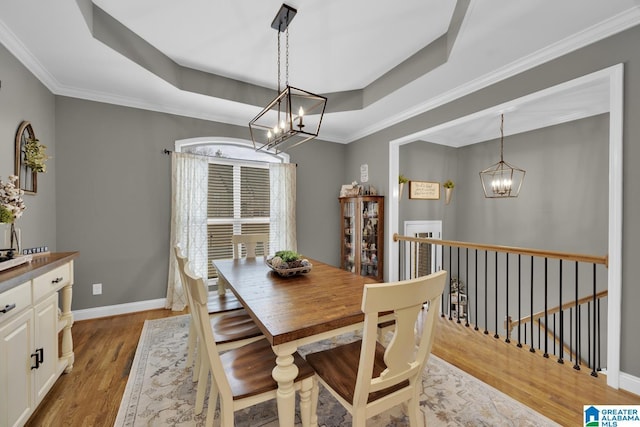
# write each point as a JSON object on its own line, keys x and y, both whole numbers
{"x": 284, "y": 373}
{"x": 222, "y": 285}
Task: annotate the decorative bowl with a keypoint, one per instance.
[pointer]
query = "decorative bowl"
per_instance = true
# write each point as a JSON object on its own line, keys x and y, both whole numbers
{"x": 288, "y": 272}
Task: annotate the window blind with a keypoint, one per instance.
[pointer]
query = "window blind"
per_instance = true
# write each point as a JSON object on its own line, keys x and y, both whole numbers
{"x": 238, "y": 203}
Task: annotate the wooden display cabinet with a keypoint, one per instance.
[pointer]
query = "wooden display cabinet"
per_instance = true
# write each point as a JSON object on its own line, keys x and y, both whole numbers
{"x": 362, "y": 235}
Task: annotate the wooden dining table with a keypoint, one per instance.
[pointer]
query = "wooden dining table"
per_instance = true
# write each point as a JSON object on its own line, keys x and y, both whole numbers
{"x": 294, "y": 311}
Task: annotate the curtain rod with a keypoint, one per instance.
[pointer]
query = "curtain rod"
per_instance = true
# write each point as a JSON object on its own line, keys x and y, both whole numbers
{"x": 168, "y": 152}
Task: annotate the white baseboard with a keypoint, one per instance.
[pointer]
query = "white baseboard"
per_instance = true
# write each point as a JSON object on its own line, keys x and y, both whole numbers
{"x": 630, "y": 383}
{"x": 112, "y": 310}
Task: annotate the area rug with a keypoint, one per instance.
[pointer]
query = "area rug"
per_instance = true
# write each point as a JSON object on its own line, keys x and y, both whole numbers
{"x": 160, "y": 391}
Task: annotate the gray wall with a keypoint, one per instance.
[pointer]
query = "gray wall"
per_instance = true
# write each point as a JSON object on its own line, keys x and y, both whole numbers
{"x": 320, "y": 175}
{"x": 424, "y": 161}
{"x": 620, "y": 48}
{"x": 114, "y": 186}
{"x": 23, "y": 97}
{"x": 563, "y": 201}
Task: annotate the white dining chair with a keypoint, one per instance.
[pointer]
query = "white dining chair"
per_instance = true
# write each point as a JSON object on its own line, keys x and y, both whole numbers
{"x": 233, "y": 329}
{"x": 367, "y": 378}
{"x": 251, "y": 243}
{"x": 241, "y": 377}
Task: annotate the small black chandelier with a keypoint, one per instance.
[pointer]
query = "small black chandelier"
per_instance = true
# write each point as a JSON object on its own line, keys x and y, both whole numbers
{"x": 502, "y": 179}
{"x": 295, "y": 115}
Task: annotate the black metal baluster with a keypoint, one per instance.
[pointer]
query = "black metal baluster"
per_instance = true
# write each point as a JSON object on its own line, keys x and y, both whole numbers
{"x": 466, "y": 278}
{"x": 599, "y": 337}
{"x": 577, "y": 348}
{"x": 593, "y": 366}
{"x": 519, "y": 299}
{"x": 546, "y": 299}
{"x": 506, "y": 257}
{"x": 554, "y": 333}
{"x": 459, "y": 292}
{"x": 443, "y": 312}
{"x": 589, "y": 334}
{"x": 450, "y": 278}
{"x": 486, "y": 309}
{"x": 531, "y": 349}
{"x": 495, "y": 335}
{"x": 561, "y": 315}
{"x": 477, "y": 317}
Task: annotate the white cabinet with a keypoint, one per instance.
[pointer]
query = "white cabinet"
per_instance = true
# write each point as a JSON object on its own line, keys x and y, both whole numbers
{"x": 16, "y": 403}
{"x": 32, "y": 323}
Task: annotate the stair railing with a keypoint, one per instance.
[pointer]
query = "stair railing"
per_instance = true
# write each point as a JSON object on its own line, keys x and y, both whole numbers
{"x": 557, "y": 297}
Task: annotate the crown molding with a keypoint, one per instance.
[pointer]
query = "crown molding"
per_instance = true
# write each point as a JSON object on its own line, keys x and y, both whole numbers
{"x": 614, "y": 25}
{"x": 20, "y": 51}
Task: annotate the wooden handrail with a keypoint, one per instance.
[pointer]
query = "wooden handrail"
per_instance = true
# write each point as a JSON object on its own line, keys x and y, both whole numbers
{"x": 566, "y": 305}
{"x": 594, "y": 259}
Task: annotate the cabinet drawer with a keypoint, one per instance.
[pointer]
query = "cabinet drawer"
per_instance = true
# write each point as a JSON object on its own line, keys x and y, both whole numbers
{"x": 14, "y": 301}
{"x": 51, "y": 281}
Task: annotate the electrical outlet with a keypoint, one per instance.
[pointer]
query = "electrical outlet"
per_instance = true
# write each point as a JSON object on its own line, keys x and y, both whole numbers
{"x": 97, "y": 288}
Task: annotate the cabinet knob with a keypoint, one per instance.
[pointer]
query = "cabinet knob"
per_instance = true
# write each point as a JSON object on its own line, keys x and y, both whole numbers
{"x": 7, "y": 308}
{"x": 57, "y": 280}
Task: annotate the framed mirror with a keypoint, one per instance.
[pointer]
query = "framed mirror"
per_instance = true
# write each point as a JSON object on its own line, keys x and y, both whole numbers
{"x": 27, "y": 177}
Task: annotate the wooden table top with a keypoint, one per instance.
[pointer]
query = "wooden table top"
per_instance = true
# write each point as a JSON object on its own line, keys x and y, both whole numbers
{"x": 291, "y": 308}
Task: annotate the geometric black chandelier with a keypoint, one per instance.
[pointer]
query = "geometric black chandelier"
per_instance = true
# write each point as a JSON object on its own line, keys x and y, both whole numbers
{"x": 295, "y": 115}
{"x": 502, "y": 179}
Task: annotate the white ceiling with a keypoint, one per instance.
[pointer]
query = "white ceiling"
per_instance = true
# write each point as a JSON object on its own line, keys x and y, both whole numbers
{"x": 335, "y": 46}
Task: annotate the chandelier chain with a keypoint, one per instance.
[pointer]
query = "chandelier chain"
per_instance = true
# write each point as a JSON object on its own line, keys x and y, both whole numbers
{"x": 278, "y": 61}
{"x": 287, "y": 60}
{"x": 501, "y": 136}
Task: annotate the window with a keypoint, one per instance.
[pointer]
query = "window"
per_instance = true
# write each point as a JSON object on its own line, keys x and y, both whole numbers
{"x": 238, "y": 203}
{"x": 238, "y": 191}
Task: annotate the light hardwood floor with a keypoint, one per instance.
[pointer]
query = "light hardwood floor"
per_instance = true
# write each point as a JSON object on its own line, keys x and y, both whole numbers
{"x": 104, "y": 348}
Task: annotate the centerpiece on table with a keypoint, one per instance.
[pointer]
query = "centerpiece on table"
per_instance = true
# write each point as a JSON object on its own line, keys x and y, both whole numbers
{"x": 289, "y": 263}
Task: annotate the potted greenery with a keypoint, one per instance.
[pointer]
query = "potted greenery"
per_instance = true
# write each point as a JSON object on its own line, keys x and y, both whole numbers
{"x": 402, "y": 180}
{"x": 448, "y": 190}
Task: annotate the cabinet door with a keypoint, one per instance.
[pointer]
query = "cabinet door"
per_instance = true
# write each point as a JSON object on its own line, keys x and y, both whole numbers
{"x": 16, "y": 342}
{"x": 46, "y": 344}
{"x": 349, "y": 236}
{"x": 371, "y": 237}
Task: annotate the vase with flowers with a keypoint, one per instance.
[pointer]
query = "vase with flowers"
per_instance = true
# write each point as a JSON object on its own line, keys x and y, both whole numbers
{"x": 402, "y": 180}
{"x": 11, "y": 208}
{"x": 448, "y": 190}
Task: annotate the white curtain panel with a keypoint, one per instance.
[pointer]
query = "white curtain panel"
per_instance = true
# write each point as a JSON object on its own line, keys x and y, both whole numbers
{"x": 282, "y": 230}
{"x": 189, "y": 187}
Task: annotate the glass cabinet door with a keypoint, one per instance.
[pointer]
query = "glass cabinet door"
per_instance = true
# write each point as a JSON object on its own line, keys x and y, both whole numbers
{"x": 369, "y": 233}
{"x": 362, "y": 235}
{"x": 348, "y": 234}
